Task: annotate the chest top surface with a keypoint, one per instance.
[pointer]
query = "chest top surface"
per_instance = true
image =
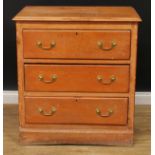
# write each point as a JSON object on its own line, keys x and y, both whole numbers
{"x": 77, "y": 13}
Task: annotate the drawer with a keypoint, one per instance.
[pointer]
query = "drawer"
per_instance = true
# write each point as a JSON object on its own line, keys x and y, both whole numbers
{"x": 104, "y": 44}
{"x": 77, "y": 78}
{"x": 69, "y": 110}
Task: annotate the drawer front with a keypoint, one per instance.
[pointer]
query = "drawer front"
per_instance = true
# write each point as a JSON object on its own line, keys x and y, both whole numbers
{"x": 69, "y": 110}
{"x": 76, "y": 44}
{"x": 77, "y": 78}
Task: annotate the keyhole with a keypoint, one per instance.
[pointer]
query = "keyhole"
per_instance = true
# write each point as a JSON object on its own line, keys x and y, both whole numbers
{"x": 76, "y": 99}
{"x": 76, "y": 33}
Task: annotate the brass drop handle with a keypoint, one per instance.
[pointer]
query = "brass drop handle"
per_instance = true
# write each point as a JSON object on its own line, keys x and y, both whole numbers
{"x": 53, "y": 78}
{"x": 101, "y": 45}
{"x": 110, "y": 81}
{"x": 50, "y": 113}
{"x": 40, "y": 45}
{"x": 107, "y": 114}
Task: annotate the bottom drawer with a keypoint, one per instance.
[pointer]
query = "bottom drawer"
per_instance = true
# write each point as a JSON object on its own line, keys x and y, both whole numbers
{"x": 70, "y": 110}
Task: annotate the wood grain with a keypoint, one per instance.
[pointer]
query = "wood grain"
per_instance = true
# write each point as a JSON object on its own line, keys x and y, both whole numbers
{"x": 77, "y": 78}
{"x": 76, "y": 45}
{"x": 74, "y": 94}
{"x": 20, "y": 70}
{"x": 38, "y": 25}
{"x": 71, "y": 110}
{"x": 141, "y": 146}
{"x": 66, "y": 61}
{"x": 77, "y": 69}
{"x": 133, "y": 65}
{"x": 70, "y": 13}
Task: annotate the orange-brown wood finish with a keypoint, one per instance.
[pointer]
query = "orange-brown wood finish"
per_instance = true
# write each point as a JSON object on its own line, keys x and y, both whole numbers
{"x": 77, "y": 78}
{"x": 76, "y": 74}
{"x": 76, "y": 110}
{"x": 70, "y": 13}
{"x": 77, "y": 45}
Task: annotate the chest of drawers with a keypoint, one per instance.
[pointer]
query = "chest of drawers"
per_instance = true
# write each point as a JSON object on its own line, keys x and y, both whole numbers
{"x": 76, "y": 74}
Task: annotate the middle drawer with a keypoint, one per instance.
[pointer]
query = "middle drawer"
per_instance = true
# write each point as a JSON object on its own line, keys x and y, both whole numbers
{"x": 77, "y": 78}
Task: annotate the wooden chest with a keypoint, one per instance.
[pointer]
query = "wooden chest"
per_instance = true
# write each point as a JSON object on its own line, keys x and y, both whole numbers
{"x": 76, "y": 74}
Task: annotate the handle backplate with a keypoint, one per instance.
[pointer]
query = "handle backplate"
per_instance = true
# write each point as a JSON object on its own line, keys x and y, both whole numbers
{"x": 107, "y": 114}
{"x": 101, "y": 79}
{"x": 51, "y": 45}
{"x": 53, "y": 78}
{"x": 50, "y": 113}
{"x": 100, "y": 44}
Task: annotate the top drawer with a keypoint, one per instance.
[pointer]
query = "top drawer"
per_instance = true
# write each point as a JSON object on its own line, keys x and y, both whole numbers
{"x": 104, "y": 44}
